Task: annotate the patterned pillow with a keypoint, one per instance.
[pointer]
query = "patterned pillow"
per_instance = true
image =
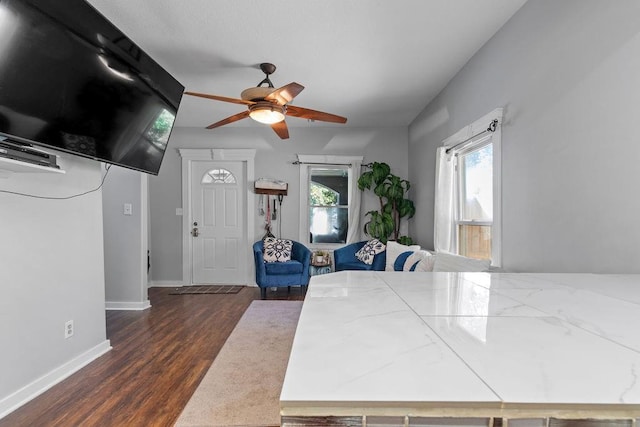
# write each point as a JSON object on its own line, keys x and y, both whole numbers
{"x": 414, "y": 261}
{"x": 419, "y": 261}
{"x": 398, "y": 264}
{"x": 394, "y": 249}
{"x": 277, "y": 250}
{"x": 369, "y": 250}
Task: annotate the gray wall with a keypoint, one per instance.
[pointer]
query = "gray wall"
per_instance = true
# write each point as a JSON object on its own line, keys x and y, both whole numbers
{"x": 567, "y": 74}
{"x": 273, "y": 160}
{"x": 51, "y": 271}
{"x": 125, "y": 238}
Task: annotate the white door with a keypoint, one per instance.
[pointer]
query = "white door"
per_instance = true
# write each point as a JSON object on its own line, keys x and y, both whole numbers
{"x": 218, "y": 214}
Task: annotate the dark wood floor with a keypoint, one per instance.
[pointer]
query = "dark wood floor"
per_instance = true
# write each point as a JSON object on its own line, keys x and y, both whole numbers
{"x": 158, "y": 358}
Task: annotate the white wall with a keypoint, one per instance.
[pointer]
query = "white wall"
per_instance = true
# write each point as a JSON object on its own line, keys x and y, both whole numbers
{"x": 273, "y": 160}
{"x": 51, "y": 271}
{"x": 125, "y": 239}
{"x": 567, "y": 74}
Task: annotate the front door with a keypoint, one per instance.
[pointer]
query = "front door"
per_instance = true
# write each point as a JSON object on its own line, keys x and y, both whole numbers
{"x": 218, "y": 222}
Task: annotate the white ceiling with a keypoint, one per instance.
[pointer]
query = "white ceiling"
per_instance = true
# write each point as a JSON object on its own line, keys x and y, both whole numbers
{"x": 376, "y": 62}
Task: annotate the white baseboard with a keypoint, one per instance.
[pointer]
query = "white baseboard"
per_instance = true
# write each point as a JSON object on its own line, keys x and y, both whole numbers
{"x": 123, "y": 305}
{"x": 165, "y": 284}
{"x": 45, "y": 382}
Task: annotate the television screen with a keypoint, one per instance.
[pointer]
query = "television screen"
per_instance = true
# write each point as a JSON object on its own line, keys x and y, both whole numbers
{"x": 72, "y": 81}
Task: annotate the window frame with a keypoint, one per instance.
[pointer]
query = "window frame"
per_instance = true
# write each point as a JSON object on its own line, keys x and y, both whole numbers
{"x": 307, "y": 162}
{"x": 217, "y": 181}
{"x": 342, "y": 168}
{"x": 468, "y": 139}
{"x": 472, "y": 146}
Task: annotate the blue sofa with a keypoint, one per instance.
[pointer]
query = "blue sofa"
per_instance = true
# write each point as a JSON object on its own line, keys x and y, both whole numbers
{"x": 345, "y": 258}
{"x": 276, "y": 274}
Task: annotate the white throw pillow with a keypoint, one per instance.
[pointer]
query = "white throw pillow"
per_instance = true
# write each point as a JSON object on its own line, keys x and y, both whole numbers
{"x": 277, "y": 250}
{"x": 423, "y": 261}
{"x": 457, "y": 263}
{"x": 394, "y": 249}
{"x": 370, "y": 249}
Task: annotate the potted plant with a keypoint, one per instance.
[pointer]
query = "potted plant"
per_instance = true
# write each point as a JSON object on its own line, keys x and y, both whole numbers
{"x": 384, "y": 224}
{"x": 320, "y": 257}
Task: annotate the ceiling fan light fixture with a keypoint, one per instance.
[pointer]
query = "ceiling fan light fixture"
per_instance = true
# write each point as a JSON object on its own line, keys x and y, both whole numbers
{"x": 269, "y": 105}
{"x": 266, "y": 113}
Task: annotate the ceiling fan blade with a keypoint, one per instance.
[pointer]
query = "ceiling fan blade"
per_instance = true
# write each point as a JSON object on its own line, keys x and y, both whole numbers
{"x": 281, "y": 129}
{"x": 228, "y": 120}
{"x": 220, "y": 98}
{"x": 305, "y": 113}
{"x": 285, "y": 94}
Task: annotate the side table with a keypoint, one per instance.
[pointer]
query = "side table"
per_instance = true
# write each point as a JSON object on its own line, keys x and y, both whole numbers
{"x": 316, "y": 269}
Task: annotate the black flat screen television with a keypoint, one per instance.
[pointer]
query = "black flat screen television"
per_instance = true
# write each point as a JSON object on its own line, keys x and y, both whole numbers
{"x": 70, "y": 80}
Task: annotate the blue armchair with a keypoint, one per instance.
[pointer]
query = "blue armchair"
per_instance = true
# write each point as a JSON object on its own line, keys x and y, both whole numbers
{"x": 345, "y": 258}
{"x": 276, "y": 274}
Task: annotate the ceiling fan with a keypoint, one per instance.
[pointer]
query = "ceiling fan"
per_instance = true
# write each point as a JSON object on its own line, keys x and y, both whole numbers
{"x": 269, "y": 105}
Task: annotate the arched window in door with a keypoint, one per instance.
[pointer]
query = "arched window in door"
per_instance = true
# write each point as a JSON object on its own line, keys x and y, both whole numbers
{"x": 218, "y": 176}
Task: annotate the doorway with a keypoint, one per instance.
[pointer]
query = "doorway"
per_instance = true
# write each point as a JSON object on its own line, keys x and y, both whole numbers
{"x": 218, "y": 217}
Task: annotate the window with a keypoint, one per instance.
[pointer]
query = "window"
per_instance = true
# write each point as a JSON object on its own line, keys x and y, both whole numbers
{"x": 328, "y": 204}
{"x": 218, "y": 176}
{"x": 474, "y": 218}
{"x": 329, "y": 200}
{"x": 468, "y": 195}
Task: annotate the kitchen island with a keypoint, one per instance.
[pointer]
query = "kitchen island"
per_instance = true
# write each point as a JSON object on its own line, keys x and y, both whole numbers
{"x": 396, "y": 348}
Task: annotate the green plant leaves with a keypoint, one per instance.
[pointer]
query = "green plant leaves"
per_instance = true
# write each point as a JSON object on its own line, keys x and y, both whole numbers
{"x": 391, "y": 191}
{"x": 374, "y": 177}
{"x": 406, "y": 208}
{"x": 405, "y": 240}
{"x": 380, "y": 172}
{"x": 380, "y": 225}
{"x": 365, "y": 181}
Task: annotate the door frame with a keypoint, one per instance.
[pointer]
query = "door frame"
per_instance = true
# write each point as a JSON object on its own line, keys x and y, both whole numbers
{"x": 190, "y": 155}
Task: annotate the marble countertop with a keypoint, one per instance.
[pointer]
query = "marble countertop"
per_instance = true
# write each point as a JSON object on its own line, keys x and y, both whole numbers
{"x": 471, "y": 343}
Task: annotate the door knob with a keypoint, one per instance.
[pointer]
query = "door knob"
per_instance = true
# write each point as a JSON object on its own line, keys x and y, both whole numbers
{"x": 195, "y": 231}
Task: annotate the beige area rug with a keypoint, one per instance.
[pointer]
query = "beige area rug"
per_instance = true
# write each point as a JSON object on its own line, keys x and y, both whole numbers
{"x": 243, "y": 385}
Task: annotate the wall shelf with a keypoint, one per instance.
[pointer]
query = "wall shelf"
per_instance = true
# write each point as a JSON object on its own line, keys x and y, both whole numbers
{"x": 11, "y": 165}
{"x": 271, "y": 191}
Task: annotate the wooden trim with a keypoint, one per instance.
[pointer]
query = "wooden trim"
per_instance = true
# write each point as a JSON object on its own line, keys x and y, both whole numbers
{"x": 270, "y": 191}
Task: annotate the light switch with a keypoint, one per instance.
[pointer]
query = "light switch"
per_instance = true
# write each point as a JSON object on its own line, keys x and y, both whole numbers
{"x": 179, "y": 211}
{"x": 127, "y": 209}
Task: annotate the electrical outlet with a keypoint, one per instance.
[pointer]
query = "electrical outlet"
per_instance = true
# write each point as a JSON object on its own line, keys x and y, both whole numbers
{"x": 68, "y": 329}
